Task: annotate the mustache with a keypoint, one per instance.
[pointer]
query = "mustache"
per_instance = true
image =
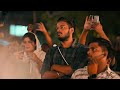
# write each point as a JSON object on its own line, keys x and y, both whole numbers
{"x": 59, "y": 33}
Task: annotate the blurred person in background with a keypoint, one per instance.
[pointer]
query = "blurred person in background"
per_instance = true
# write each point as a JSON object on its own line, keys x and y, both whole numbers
{"x": 45, "y": 47}
{"x": 26, "y": 62}
{"x": 41, "y": 32}
{"x": 31, "y": 54}
{"x": 30, "y": 28}
{"x": 116, "y": 45}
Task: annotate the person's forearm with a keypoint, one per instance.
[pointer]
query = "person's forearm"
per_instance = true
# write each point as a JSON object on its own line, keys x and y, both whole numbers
{"x": 52, "y": 75}
{"x": 48, "y": 38}
{"x": 82, "y": 38}
{"x": 65, "y": 69}
{"x": 103, "y": 35}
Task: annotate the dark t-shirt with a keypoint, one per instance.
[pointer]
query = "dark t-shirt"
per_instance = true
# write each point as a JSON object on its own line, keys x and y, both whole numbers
{"x": 76, "y": 57}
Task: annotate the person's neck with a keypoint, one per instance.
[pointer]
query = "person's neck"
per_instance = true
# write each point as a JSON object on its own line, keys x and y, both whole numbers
{"x": 67, "y": 43}
{"x": 102, "y": 67}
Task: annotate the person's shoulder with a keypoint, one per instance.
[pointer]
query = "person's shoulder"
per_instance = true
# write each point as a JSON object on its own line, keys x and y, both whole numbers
{"x": 53, "y": 48}
{"x": 81, "y": 45}
{"x": 108, "y": 74}
{"x": 80, "y": 73}
{"x": 82, "y": 48}
{"x": 81, "y": 69}
{"x": 114, "y": 75}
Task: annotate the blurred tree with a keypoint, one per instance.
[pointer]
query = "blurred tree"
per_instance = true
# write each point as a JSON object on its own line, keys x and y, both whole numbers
{"x": 109, "y": 20}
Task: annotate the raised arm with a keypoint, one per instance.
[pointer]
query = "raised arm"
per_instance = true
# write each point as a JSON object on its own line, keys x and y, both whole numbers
{"x": 99, "y": 29}
{"x": 86, "y": 29}
{"x": 45, "y": 32}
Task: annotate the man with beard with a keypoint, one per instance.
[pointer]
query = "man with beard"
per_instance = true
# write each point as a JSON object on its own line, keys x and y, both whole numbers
{"x": 62, "y": 60}
{"x": 100, "y": 55}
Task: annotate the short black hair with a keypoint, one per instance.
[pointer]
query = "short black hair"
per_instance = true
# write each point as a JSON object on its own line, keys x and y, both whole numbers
{"x": 106, "y": 44}
{"x": 70, "y": 21}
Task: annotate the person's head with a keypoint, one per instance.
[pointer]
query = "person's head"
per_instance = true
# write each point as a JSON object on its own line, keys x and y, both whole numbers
{"x": 100, "y": 48}
{"x": 45, "y": 47}
{"x": 29, "y": 42}
{"x": 65, "y": 28}
{"x": 30, "y": 28}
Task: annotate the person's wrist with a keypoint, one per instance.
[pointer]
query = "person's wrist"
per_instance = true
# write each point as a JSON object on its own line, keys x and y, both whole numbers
{"x": 58, "y": 73}
{"x": 45, "y": 31}
{"x": 93, "y": 76}
{"x": 86, "y": 30}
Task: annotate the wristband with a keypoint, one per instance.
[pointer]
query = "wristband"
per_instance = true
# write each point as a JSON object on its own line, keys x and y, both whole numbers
{"x": 58, "y": 73}
{"x": 93, "y": 76}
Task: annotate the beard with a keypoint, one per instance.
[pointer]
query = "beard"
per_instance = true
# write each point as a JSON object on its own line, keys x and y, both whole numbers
{"x": 65, "y": 38}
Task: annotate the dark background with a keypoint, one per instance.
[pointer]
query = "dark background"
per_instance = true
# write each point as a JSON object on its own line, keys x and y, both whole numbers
{"x": 109, "y": 19}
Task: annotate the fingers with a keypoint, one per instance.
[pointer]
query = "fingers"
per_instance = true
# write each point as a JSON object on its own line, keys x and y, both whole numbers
{"x": 86, "y": 18}
{"x": 41, "y": 24}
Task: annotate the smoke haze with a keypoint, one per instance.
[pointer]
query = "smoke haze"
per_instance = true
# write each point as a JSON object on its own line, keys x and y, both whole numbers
{"x": 12, "y": 68}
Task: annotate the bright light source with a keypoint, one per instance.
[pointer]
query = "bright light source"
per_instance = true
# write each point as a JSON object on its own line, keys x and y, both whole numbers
{"x": 18, "y": 30}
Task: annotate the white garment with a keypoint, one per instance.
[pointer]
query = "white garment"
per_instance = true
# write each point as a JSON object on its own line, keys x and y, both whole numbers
{"x": 82, "y": 73}
{"x": 31, "y": 65}
{"x": 40, "y": 54}
{"x": 25, "y": 68}
{"x": 11, "y": 68}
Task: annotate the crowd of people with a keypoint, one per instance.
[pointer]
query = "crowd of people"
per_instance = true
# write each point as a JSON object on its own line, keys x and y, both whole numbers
{"x": 96, "y": 59}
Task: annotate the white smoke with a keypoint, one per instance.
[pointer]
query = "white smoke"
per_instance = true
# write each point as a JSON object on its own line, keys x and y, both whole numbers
{"x": 12, "y": 68}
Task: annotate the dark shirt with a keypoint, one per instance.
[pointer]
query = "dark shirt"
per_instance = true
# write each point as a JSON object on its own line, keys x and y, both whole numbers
{"x": 74, "y": 55}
